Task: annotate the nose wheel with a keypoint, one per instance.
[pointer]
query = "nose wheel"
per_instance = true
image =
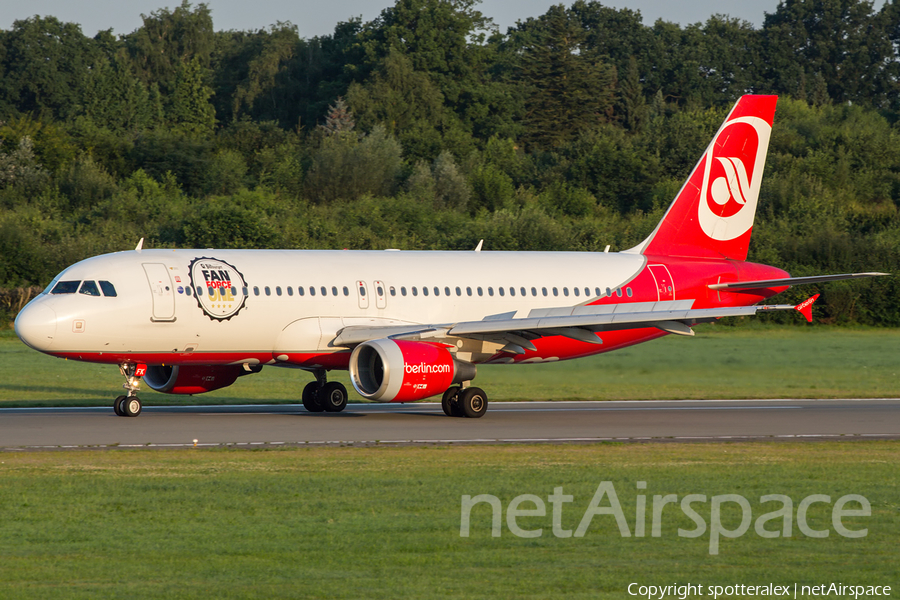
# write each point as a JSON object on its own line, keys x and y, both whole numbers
{"x": 129, "y": 405}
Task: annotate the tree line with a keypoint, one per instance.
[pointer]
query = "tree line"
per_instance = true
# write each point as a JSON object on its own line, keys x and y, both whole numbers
{"x": 428, "y": 128}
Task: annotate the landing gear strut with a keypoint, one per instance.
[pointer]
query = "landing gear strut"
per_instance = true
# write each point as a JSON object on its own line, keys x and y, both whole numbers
{"x": 130, "y": 405}
{"x": 322, "y": 395}
{"x": 468, "y": 402}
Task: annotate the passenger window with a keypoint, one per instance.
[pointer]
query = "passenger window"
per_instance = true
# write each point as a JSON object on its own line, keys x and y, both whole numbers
{"x": 524, "y": 291}
{"x": 446, "y": 291}
{"x": 66, "y": 287}
{"x": 468, "y": 291}
{"x": 334, "y": 291}
{"x": 534, "y": 291}
{"x": 566, "y": 292}
{"x": 490, "y": 291}
{"x": 211, "y": 292}
{"x": 480, "y": 291}
{"x": 437, "y": 291}
{"x": 312, "y": 290}
{"x": 415, "y": 291}
{"x": 555, "y": 291}
{"x": 268, "y": 291}
{"x": 587, "y": 291}
{"x": 619, "y": 292}
{"x": 278, "y": 290}
{"x": 512, "y": 291}
{"x": 424, "y": 290}
{"x": 110, "y": 290}
{"x": 222, "y": 291}
{"x": 608, "y": 292}
{"x": 246, "y": 291}
{"x": 324, "y": 290}
{"x": 544, "y": 291}
{"x": 346, "y": 291}
{"x": 458, "y": 291}
{"x": 300, "y": 290}
{"x": 393, "y": 291}
{"x": 577, "y": 292}
{"x": 256, "y": 290}
{"x": 628, "y": 291}
{"x": 502, "y": 291}
{"x": 290, "y": 291}
{"x": 187, "y": 291}
{"x": 89, "y": 288}
{"x": 403, "y": 290}
{"x": 362, "y": 290}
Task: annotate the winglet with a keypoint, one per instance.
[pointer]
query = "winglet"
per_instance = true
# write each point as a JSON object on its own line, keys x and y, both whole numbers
{"x": 140, "y": 245}
{"x": 478, "y": 247}
{"x": 805, "y": 307}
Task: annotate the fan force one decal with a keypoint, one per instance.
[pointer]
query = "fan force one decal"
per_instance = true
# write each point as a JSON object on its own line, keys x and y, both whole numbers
{"x": 215, "y": 284}
{"x": 732, "y": 177}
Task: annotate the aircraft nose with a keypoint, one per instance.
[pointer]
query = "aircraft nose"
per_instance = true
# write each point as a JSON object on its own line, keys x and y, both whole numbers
{"x": 36, "y": 326}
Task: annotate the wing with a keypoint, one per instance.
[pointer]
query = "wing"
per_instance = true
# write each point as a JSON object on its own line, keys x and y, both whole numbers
{"x": 581, "y": 323}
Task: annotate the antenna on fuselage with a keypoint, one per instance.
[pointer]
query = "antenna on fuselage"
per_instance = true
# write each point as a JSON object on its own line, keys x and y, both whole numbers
{"x": 478, "y": 247}
{"x": 140, "y": 245}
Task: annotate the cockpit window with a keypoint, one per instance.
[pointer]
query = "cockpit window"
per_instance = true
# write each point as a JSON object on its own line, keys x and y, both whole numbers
{"x": 108, "y": 289}
{"x": 89, "y": 288}
{"x": 66, "y": 287}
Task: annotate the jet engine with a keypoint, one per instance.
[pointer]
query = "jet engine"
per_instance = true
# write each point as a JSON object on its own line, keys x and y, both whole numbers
{"x": 402, "y": 371}
{"x": 191, "y": 379}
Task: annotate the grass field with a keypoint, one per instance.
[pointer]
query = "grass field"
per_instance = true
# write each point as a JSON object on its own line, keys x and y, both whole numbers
{"x": 385, "y": 522}
{"x": 720, "y": 362}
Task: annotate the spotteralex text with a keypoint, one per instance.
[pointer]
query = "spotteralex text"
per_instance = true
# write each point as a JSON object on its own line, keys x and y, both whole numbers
{"x": 791, "y": 590}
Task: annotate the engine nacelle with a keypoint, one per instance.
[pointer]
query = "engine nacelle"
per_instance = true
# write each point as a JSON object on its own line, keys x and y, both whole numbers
{"x": 191, "y": 379}
{"x": 401, "y": 371}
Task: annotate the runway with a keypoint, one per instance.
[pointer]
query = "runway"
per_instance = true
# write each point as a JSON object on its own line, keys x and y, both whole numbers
{"x": 425, "y": 423}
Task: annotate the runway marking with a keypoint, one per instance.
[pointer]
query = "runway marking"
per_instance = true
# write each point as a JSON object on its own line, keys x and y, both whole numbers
{"x": 474, "y": 441}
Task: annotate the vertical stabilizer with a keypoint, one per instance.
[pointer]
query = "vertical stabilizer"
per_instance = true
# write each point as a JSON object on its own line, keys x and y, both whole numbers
{"x": 712, "y": 215}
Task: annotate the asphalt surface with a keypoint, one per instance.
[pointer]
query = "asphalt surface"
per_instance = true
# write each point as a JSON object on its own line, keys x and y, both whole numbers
{"x": 425, "y": 423}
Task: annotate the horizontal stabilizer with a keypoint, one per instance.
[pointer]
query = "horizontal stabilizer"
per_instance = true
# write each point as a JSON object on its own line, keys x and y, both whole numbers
{"x": 772, "y": 283}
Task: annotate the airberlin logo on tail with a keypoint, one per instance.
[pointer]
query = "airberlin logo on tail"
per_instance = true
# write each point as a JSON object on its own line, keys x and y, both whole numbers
{"x": 218, "y": 288}
{"x": 733, "y": 167}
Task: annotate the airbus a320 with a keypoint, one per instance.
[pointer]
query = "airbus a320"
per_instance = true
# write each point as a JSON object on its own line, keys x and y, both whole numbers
{"x": 410, "y": 325}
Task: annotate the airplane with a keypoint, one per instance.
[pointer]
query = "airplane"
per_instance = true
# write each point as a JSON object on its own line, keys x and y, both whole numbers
{"x": 409, "y": 325}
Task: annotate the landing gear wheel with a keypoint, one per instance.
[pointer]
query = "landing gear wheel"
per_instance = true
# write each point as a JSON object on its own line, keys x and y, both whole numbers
{"x": 333, "y": 397}
{"x": 450, "y": 402}
{"x": 473, "y": 402}
{"x": 311, "y": 397}
{"x": 117, "y": 406}
{"x": 131, "y": 406}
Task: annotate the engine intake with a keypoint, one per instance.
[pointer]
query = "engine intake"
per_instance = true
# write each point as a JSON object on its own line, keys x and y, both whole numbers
{"x": 401, "y": 371}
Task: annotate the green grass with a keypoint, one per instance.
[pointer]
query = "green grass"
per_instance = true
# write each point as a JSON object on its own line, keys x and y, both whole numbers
{"x": 385, "y": 522}
{"x": 720, "y": 362}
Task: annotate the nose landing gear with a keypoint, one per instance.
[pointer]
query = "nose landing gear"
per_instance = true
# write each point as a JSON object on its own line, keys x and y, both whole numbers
{"x": 129, "y": 405}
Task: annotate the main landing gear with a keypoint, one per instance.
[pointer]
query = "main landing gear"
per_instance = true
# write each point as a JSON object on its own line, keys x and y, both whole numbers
{"x": 129, "y": 405}
{"x": 322, "y": 395}
{"x": 468, "y": 402}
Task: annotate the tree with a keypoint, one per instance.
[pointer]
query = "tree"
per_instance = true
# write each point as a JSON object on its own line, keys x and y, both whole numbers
{"x": 568, "y": 89}
{"x": 169, "y": 40}
{"x": 190, "y": 111}
{"x": 844, "y": 41}
{"x": 45, "y": 66}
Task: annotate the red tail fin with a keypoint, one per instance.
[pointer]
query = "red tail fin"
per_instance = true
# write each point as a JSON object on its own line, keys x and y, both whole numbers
{"x": 712, "y": 215}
